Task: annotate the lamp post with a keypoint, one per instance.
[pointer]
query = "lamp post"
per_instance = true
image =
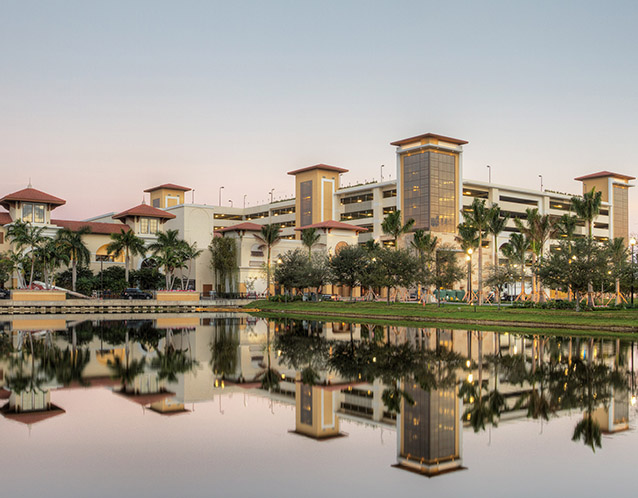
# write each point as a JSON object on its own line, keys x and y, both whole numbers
{"x": 632, "y": 243}
{"x": 541, "y": 177}
{"x": 245, "y": 195}
{"x": 382, "y": 171}
{"x": 489, "y": 174}
{"x": 230, "y": 202}
{"x": 270, "y": 207}
{"x": 220, "y": 195}
{"x": 469, "y": 274}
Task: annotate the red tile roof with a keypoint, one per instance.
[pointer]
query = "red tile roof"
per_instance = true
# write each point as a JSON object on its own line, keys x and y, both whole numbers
{"x": 247, "y": 226}
{"x": 5, "y": 218}
{"x": 604, "y": 174}
{"x": 144, "y": 210}
{"x": 169, "y": 186}
{"x": 96, "y": 227}
{"x": 31, "y": 195}
{"x": 334, "y": 224}
{"x": 319, "y": 166}
{"x": 146, "y": 399}
{"x": 404, "y": 141}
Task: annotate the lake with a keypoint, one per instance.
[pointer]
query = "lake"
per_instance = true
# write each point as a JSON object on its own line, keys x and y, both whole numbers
{"x": 235, "y": 405}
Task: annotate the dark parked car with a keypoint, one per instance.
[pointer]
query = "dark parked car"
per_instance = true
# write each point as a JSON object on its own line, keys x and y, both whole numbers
{"x": 134, "y": 293}
{"x": 5, "y": 294}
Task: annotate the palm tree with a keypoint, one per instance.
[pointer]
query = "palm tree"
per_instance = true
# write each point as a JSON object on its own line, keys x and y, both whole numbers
{"x": 74, "y": 247}
{"x": 126, "y": 242}
{"x": 269, "y": 237}
{"x": 51, "y": 254}
{"x": 167, "y": 250}
{"x": 618, "y": 254}
{"x": 538, "y": 229}
{"x": 566, "y": 226}
{"x": 479, "y": 216}
{"x": 516, "y": 252}
{"x": 468, "y": 240}
{"x": 25, "y": 235}
{"x": 425, "y": 245}
{"x": 496, "y": 224}
{"x": 393, "y": 225}
{"x": 189, "y": 252}
{"x": 309, "y": 237}
{"x": 587, "y": 209}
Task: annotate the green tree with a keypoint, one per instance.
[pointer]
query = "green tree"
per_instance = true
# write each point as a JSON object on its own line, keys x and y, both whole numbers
{"x": 496, "y": 224}
{"x": 346, "y": 266}
{"x": 498, "y": 276}
{"x": 25, "y": 236}
{"x": 515, "y": 250}
{"x": 309, "y": 237}
{"x": 269, "y": 237}
{"x": 293, "y": 270}
{"x": 400, "y": 268}
{"x": 189, "y": 252}
{"x": 425, "y": 244}
{"x": 51, "y": 256}
{"x": 223, "y": 261}
{"x": 169, "y": 252}
{"x": 393, "y": 225}
{"x": 618, "y": 257}
{"x": 128, "y": 243}
{"x": 447, "y": 270}
{"x": 479, "y": 216}
{"x": 72, "y": 245}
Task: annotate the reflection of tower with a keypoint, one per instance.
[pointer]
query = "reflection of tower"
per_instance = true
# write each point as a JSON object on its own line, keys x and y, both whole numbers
{"x": 429, "y": 434}
{"x": 315, "y": 408}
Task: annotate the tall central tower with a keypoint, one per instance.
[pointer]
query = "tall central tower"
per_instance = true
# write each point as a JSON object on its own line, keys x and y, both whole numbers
{"x": 429, "y": 173}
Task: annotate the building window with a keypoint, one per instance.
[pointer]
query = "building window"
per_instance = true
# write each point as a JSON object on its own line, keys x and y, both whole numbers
{"x": 357, "y": 215}
{"x": 389, "y": 193}
{"x": 156, "y": 203}
{"x": 282, "y": 211}
{"x": 33, "y": 213}
{"x": 429, "y": 191}
{"x": 305, "y": 189}
{"x": 621, "y": 212}
{"x": 357, "y": 198}
{"x": 518, "y": 200}
{"x": 149, "y": 225}
{"x": 389, "y": 209}
{"x": 255, "y": 216}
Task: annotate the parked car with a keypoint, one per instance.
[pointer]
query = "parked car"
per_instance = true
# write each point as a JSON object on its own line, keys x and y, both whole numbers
{"x": 327, "y": 297}
{"x": 5, "y": 294}
{"x": 134, "y": 293}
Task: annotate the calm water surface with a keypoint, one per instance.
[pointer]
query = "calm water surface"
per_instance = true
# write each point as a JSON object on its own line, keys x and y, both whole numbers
{"x": 233, "y": 405}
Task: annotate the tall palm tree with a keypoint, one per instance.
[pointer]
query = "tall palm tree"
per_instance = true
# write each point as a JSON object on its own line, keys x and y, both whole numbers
{"x": 309, "y": 237}
{"x": 516, "y": 252}
{"x": 24, "y": 235}
{"x": 393, "y": 225}
{"x": 479, "y": 216}
{"x": 74, "y": 247}
{"x": 168, "y": 251}
{"x": 587, "y": 209}
{"x": 425, "y": 245}
{"x": 270, "y": 235}
{"x": 126, "y": 242}
{"x": 538, "y": 229}
{"x": 618, "y": 255}
{"x": 51, "y": 255}
{"x": 189, "y": 253}
{"x": 495, "y": 225}
{"x": 566, "y": 226}
{"x": 468, "y": 239}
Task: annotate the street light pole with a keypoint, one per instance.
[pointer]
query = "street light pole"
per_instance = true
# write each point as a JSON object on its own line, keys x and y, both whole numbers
{"x": 230, "y": 202}
{"x": 541, "y": 177}
{"x": 469, "y": 275}
{"x": 632, "y": 243}
{"x": 382, "y": 171}
{"x": 270, "y": 207}
{"x": 489, "y": 174}
{"x": 220, "y": 195}
{"x": 245, "y": 195}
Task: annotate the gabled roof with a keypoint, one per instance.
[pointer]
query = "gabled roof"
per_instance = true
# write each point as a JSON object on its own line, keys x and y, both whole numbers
{"x": 330, "y": 224}
{"x": 96, "y": 227}
{"x": 319, "y": 166}
{"x": 404, "y": 141}
{"x": 5, "y": 218}
{"x": 144, "y": 210}
{"x": 604, "y": 174}
{"x": 168, "y": 186}
{"x": 31, "y": 195}
{"x": 247, "y": 226}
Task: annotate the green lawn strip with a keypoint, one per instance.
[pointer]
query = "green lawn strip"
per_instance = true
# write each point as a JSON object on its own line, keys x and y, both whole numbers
{"x": 565, "y": 332}
{"x": 609, "y": 320}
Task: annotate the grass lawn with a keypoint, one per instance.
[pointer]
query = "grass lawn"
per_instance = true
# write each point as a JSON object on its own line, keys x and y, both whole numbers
{"x": 603, "y": 319}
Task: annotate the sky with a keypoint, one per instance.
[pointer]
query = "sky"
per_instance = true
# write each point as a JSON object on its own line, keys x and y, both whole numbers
{"x": 101, "y": 100}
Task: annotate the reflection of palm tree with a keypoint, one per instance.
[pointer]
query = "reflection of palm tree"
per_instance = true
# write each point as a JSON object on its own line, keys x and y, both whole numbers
{"x": 269, "y": 376}
{"x": 224, "y": 352}
{"x": 126, "y": 371}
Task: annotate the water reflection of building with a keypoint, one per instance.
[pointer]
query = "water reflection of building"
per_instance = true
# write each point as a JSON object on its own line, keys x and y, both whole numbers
{"x": 614, "y": 417}
{"x": 315, "y": 411}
